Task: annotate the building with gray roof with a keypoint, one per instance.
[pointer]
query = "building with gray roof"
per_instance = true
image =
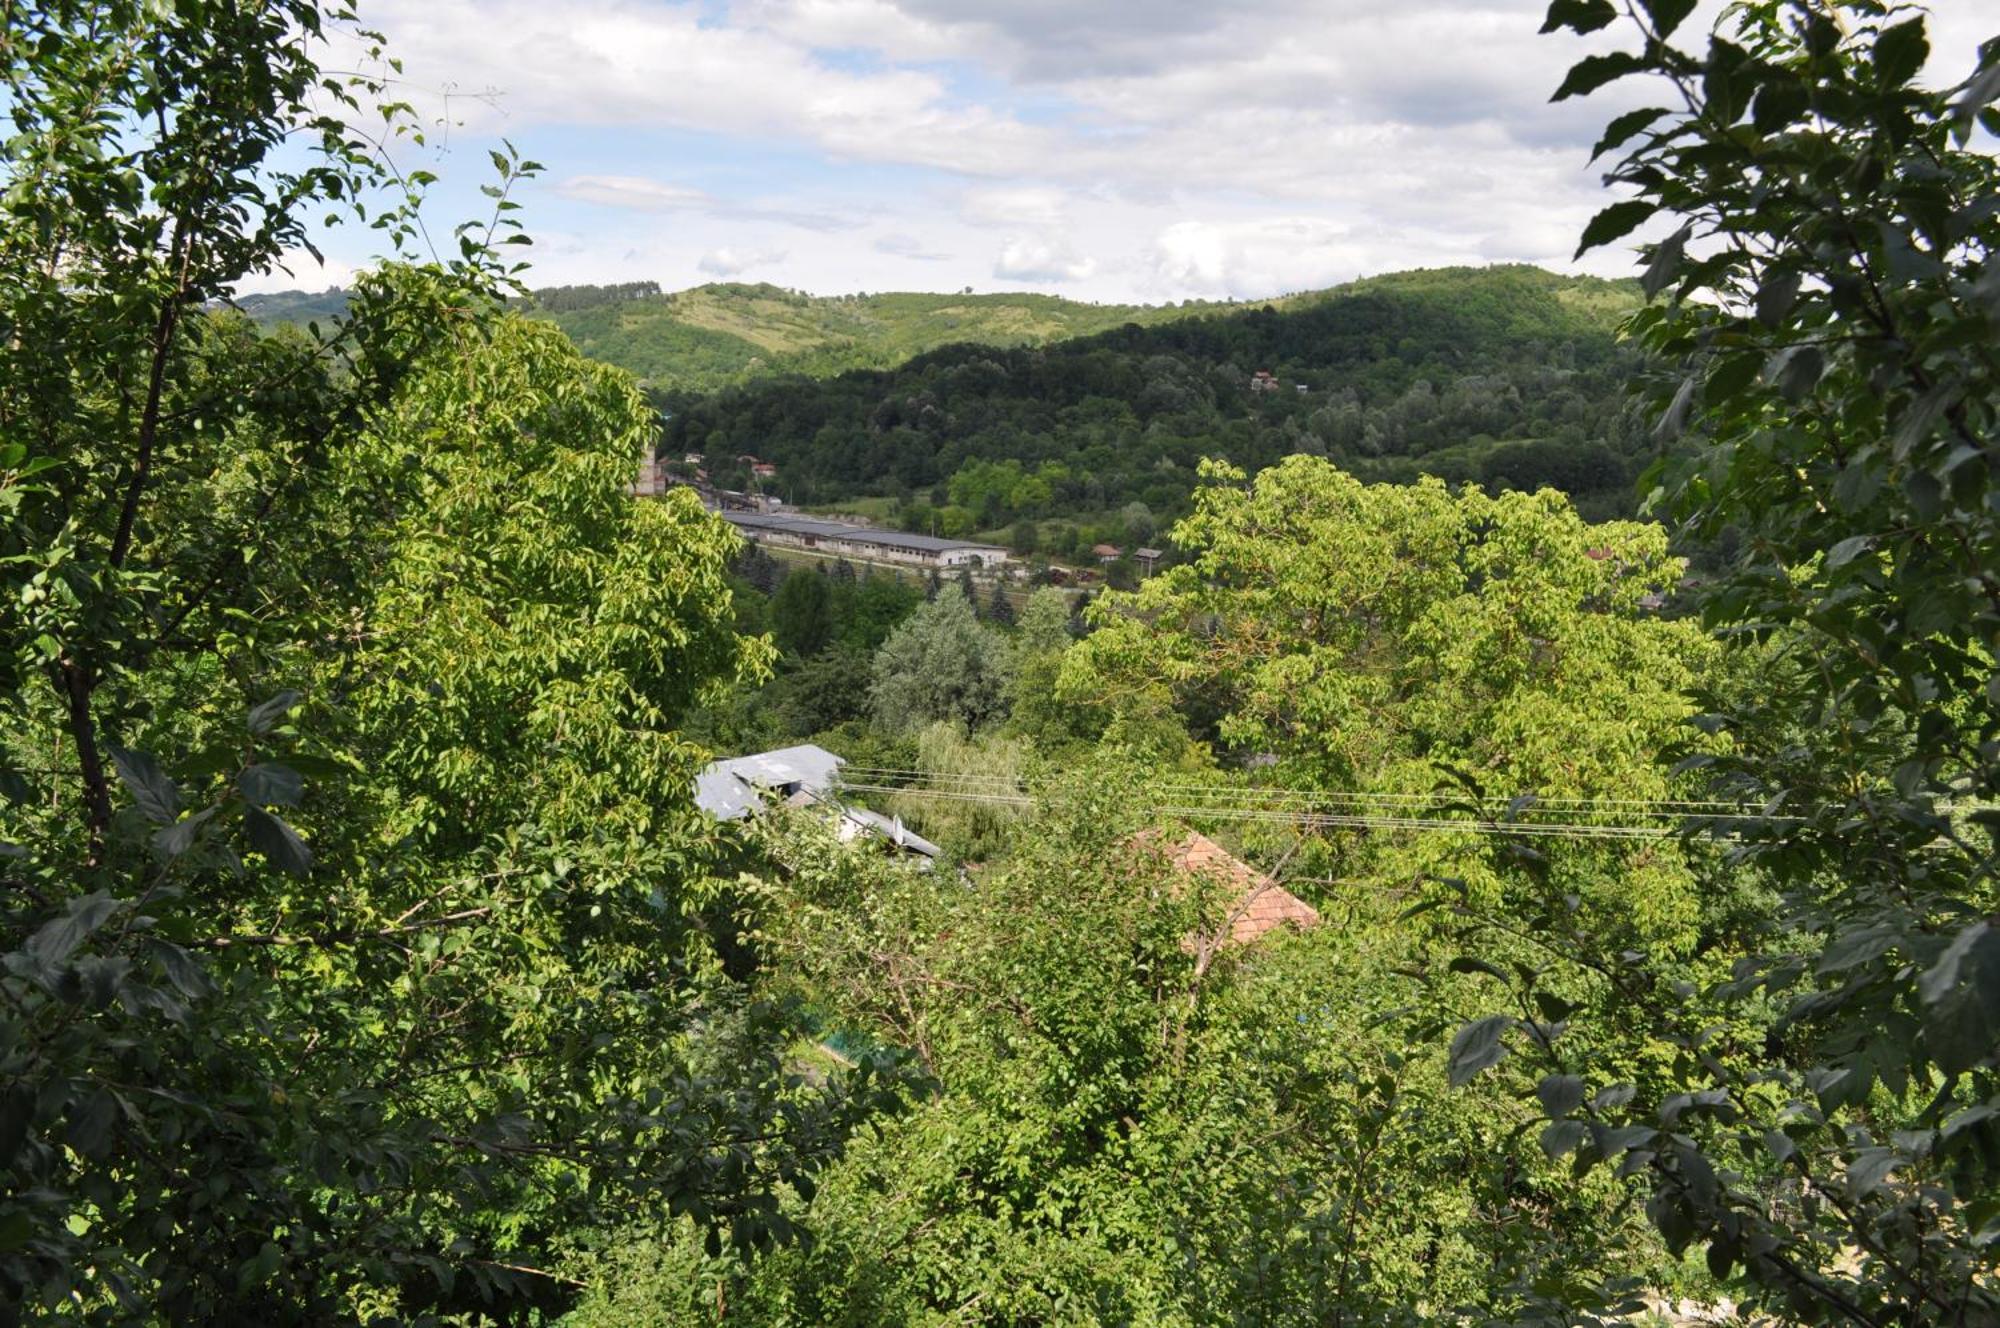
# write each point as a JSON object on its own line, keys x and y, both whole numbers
{"x": 839, "y": 539}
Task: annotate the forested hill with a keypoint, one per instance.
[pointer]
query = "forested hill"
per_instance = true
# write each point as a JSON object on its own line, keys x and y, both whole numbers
{"x": 1511, "y": 376}
{"x": 716, "y": 335}
{"x": 712, "y": 336}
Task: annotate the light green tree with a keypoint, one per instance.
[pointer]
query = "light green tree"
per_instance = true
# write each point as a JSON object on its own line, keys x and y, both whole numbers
{"x": 1371, "y": 637}
{"x": 941, "y": 664}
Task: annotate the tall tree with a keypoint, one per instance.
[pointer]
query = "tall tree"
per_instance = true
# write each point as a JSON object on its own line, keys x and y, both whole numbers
{"x": 1827, "y": 285}
{"x": 351, "y": 908}
{"x": 802, "y": 613}
{"x": 942, "y": 664}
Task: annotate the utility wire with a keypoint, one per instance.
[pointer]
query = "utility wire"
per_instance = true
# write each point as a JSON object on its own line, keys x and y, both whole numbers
{"x": 1311, "y": 819}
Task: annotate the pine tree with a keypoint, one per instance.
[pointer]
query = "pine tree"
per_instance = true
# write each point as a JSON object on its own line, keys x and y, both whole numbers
{"x": 999, "y": 609}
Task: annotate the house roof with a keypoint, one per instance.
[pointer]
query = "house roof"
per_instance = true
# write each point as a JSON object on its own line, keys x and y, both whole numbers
{"x": 1106, "y": 550}
{"x": 1258, "y": 905}
{"x": 1147, "y": 553}
{"x": 892, "y": 539}
{"x": 730, "y": 790}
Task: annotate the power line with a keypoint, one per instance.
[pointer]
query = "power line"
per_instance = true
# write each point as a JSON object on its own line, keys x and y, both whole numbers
{"x": 1226, "y": 800}
{"x": 1310, "y": 819}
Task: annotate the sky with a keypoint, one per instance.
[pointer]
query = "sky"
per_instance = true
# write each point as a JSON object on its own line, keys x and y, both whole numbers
{"x": 1130, "y": 151}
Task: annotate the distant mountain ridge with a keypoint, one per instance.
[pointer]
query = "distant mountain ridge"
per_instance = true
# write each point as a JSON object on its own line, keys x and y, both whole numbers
{"x": 728, "y": 333}
{"x": 712, "y": 336}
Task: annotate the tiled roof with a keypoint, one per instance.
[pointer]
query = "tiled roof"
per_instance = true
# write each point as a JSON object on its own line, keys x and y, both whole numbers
{"x": 1257, "y": 904}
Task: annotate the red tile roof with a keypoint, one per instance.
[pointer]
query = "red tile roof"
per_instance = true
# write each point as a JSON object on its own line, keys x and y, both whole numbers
{"x": 1257, "y": 904}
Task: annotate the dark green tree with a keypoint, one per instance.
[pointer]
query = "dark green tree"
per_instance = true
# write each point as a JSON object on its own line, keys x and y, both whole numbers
{"x": 999, "y": 609}
{"x": 802, "y": 613}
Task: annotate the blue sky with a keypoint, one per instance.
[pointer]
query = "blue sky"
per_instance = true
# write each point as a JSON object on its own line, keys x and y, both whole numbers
{"x": 1151, "y": 151}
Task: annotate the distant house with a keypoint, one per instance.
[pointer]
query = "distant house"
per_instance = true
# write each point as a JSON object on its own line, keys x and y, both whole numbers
{"x": 802, "y": 776}
{"x": 1107, "y": 553}
{"x": 865, "y": 543}
{"x": 1263, "y": 381}
{"x": 693, "y": 459}
{"x": 1148, "y": 559}
{"x": 1301, "y": 388}
{"x": 764, "y": 470}
{"x": 1254, "y": 904}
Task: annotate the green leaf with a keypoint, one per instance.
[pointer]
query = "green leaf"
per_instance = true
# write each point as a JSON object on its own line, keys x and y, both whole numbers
{"x": 1776, "y": 297}
{"x": 1666, "y": 261}
{"x": 1477, "y": 1046}
{"x": 151, "y": 789}
{"x": 173, "y": 840}
{"x": 1870, "y": 1168}
{"x": 1621, "y": 129}
{"x": 1560, "y": 1094}
{"x": 1943, "y": 975}
{"x": 1614, "y": 221}
{"x": 1561, "y": 1137}
{"x": 1667, "y": 15}
{"x": 1900, "y": 52}
{"x": 1847, "y": 551}
{"x": 56, "y": 940}
{"x": 1472, "y": 964}
{"x": 277, "y": 841}
{"x": 266, "y": 716}
{"x": 269, "y": 784}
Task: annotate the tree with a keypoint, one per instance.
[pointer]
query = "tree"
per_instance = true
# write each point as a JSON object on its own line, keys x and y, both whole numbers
{"x": 1045, "y": 622}
{"x": 942, "y": 664}
{"x": 802, "y": 613}
{"x": 1827, "y": 299}
{"x": 353, "y": 907}
{"x": 1139, "y": 522}
{"x": 999, "y": 609}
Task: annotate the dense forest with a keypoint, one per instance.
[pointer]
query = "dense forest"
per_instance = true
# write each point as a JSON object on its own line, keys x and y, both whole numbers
{"x": 1414, "y": 904}
{"x": 1508, "y": 376}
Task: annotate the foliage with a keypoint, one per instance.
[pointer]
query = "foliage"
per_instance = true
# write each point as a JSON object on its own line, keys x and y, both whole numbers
{"x": 802, "y": 613}
{"x": 942, "y": 664}
{"x": 358, "y": 930}
{"x": 1366, "y": 635}
{"x": 1500, "y": 373}
{"x": 1828, "y": 1126}
{"x": 1119, "y": 1134}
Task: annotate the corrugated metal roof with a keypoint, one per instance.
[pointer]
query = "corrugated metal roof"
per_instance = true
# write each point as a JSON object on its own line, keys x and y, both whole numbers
{"x": 891, "y": 539}
{"x": 730, "y": 790}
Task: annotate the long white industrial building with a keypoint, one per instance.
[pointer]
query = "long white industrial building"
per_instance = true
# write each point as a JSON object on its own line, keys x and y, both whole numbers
{"x": 840, "y": 540}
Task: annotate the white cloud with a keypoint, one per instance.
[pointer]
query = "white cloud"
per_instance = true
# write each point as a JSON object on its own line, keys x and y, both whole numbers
{"x": 901, "y": 245}
{"x": 1017, "y": 205}
{"x": 297, "y": 269}
{"x": 735, "y": 262}
{"x": 1187, "y": 147}
{"x": 1041, "y": 261}
{"x": 632, "y": 191}
{"x": 643, "y": 195}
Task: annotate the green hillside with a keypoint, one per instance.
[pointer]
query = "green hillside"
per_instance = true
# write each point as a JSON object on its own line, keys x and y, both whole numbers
{"x": 715, "y": 335}
{"x": 730, "y": 332}
{"x": 1511, "y": 377}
